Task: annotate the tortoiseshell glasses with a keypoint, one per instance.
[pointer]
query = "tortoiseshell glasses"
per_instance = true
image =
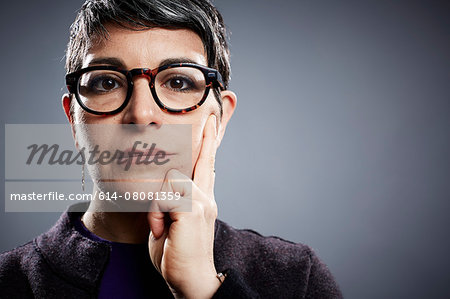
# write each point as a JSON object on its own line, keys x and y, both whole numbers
{"x": 176, "y": 88}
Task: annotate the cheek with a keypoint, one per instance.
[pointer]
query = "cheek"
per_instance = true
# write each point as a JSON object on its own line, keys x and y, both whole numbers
{"x": 78, "y": 114}
{"x": 82, "y": 117}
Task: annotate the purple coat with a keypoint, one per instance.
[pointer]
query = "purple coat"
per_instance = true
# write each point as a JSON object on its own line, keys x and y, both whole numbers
{"x": 62, "y": 263}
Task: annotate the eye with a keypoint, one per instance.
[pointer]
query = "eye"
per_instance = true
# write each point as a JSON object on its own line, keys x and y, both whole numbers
{"x": 104, "y": 83}
{"x": 179, "y": 83}
{"x": 108, "y": 84}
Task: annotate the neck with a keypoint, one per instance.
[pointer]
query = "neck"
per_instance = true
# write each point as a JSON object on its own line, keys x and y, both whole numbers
{"x": 122, "y": 227}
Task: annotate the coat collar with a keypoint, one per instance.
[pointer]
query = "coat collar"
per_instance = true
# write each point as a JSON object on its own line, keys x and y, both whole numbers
{"x": 71, "y": 255}
{"x": 81, "y": 260}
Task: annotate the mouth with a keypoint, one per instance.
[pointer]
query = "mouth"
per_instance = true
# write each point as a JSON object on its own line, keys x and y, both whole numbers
{"x": 152, "y": 156}
{"x": 150, "y": 152}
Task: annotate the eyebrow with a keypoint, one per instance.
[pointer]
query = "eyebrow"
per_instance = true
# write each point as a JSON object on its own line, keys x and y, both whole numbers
{"x": 113, "y": 61}
{"x": 176, "y": 60}
{"x": 108, "y": 61}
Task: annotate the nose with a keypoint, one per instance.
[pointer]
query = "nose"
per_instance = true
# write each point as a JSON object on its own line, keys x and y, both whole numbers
{"x": 142, "y": 108}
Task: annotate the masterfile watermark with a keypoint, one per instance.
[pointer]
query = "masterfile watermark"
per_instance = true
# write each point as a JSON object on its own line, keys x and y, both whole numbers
{"x": 118, "y": 167}
{"x": 146, "y": 156}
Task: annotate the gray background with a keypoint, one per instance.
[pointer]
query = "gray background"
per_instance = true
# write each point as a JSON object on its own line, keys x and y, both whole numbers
{"x": 340, "y": 139}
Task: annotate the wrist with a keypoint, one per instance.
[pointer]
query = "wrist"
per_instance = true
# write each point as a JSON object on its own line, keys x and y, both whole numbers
{"x": 205, "y": 286}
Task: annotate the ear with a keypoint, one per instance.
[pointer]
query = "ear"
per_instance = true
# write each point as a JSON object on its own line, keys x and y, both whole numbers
{"x": 229, "y": 101}
{"x": 66, "y": 103}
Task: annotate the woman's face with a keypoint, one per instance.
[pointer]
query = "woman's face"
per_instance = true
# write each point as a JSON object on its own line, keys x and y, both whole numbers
{"x": 150, "y": 49}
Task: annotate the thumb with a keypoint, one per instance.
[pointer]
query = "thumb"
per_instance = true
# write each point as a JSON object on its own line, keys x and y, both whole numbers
{"x": 156, "y": 222}
{"x": 156, "y": 248}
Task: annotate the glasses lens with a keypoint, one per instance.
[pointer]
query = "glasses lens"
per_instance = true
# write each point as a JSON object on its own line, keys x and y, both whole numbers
{"x": 103, "y": 90}
{"x": 180, "y": 87}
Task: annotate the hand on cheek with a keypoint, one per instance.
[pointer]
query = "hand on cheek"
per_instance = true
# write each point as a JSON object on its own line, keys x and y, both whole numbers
{"x": 181, "y": 243}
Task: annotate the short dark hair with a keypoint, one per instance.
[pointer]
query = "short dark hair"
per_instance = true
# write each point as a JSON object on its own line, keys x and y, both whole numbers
{"x": 199, "y": 16}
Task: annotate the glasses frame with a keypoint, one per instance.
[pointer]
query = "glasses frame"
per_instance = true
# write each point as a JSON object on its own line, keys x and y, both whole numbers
{"x": 212, "y": 79}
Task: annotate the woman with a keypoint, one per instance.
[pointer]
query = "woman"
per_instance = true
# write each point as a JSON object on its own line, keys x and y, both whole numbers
{"x": 135, "y": 68}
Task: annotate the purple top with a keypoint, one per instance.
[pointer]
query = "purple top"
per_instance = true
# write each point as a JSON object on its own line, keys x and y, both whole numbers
{"x": 129, "y": 272}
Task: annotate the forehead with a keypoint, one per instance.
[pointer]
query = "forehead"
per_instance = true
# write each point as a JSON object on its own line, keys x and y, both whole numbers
{"x": 147, "y": 48}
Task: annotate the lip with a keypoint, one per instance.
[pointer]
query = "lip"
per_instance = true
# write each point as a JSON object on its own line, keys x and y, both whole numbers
{"x": 152, "y": 152}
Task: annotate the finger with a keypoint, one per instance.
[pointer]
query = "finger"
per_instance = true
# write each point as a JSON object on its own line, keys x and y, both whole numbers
{"x": 175, "y": 181}
{"x": 174, "y": 196}
{"x": 204, "y": 174}
{"x": 176, "y": 193}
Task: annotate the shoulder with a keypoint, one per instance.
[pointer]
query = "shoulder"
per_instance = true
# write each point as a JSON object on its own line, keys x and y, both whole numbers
{"x": 247, "y": 242}
{"x": 16, "y": 260}
{"x": 241, "y": 245}
{"x": 274, "y": 264}
{"x": 14, "y": 268}
{"x": 59, "y": 261}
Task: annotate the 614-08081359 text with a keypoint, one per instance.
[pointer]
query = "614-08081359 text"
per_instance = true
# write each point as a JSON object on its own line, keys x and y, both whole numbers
{"x": 162, "y": 195}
